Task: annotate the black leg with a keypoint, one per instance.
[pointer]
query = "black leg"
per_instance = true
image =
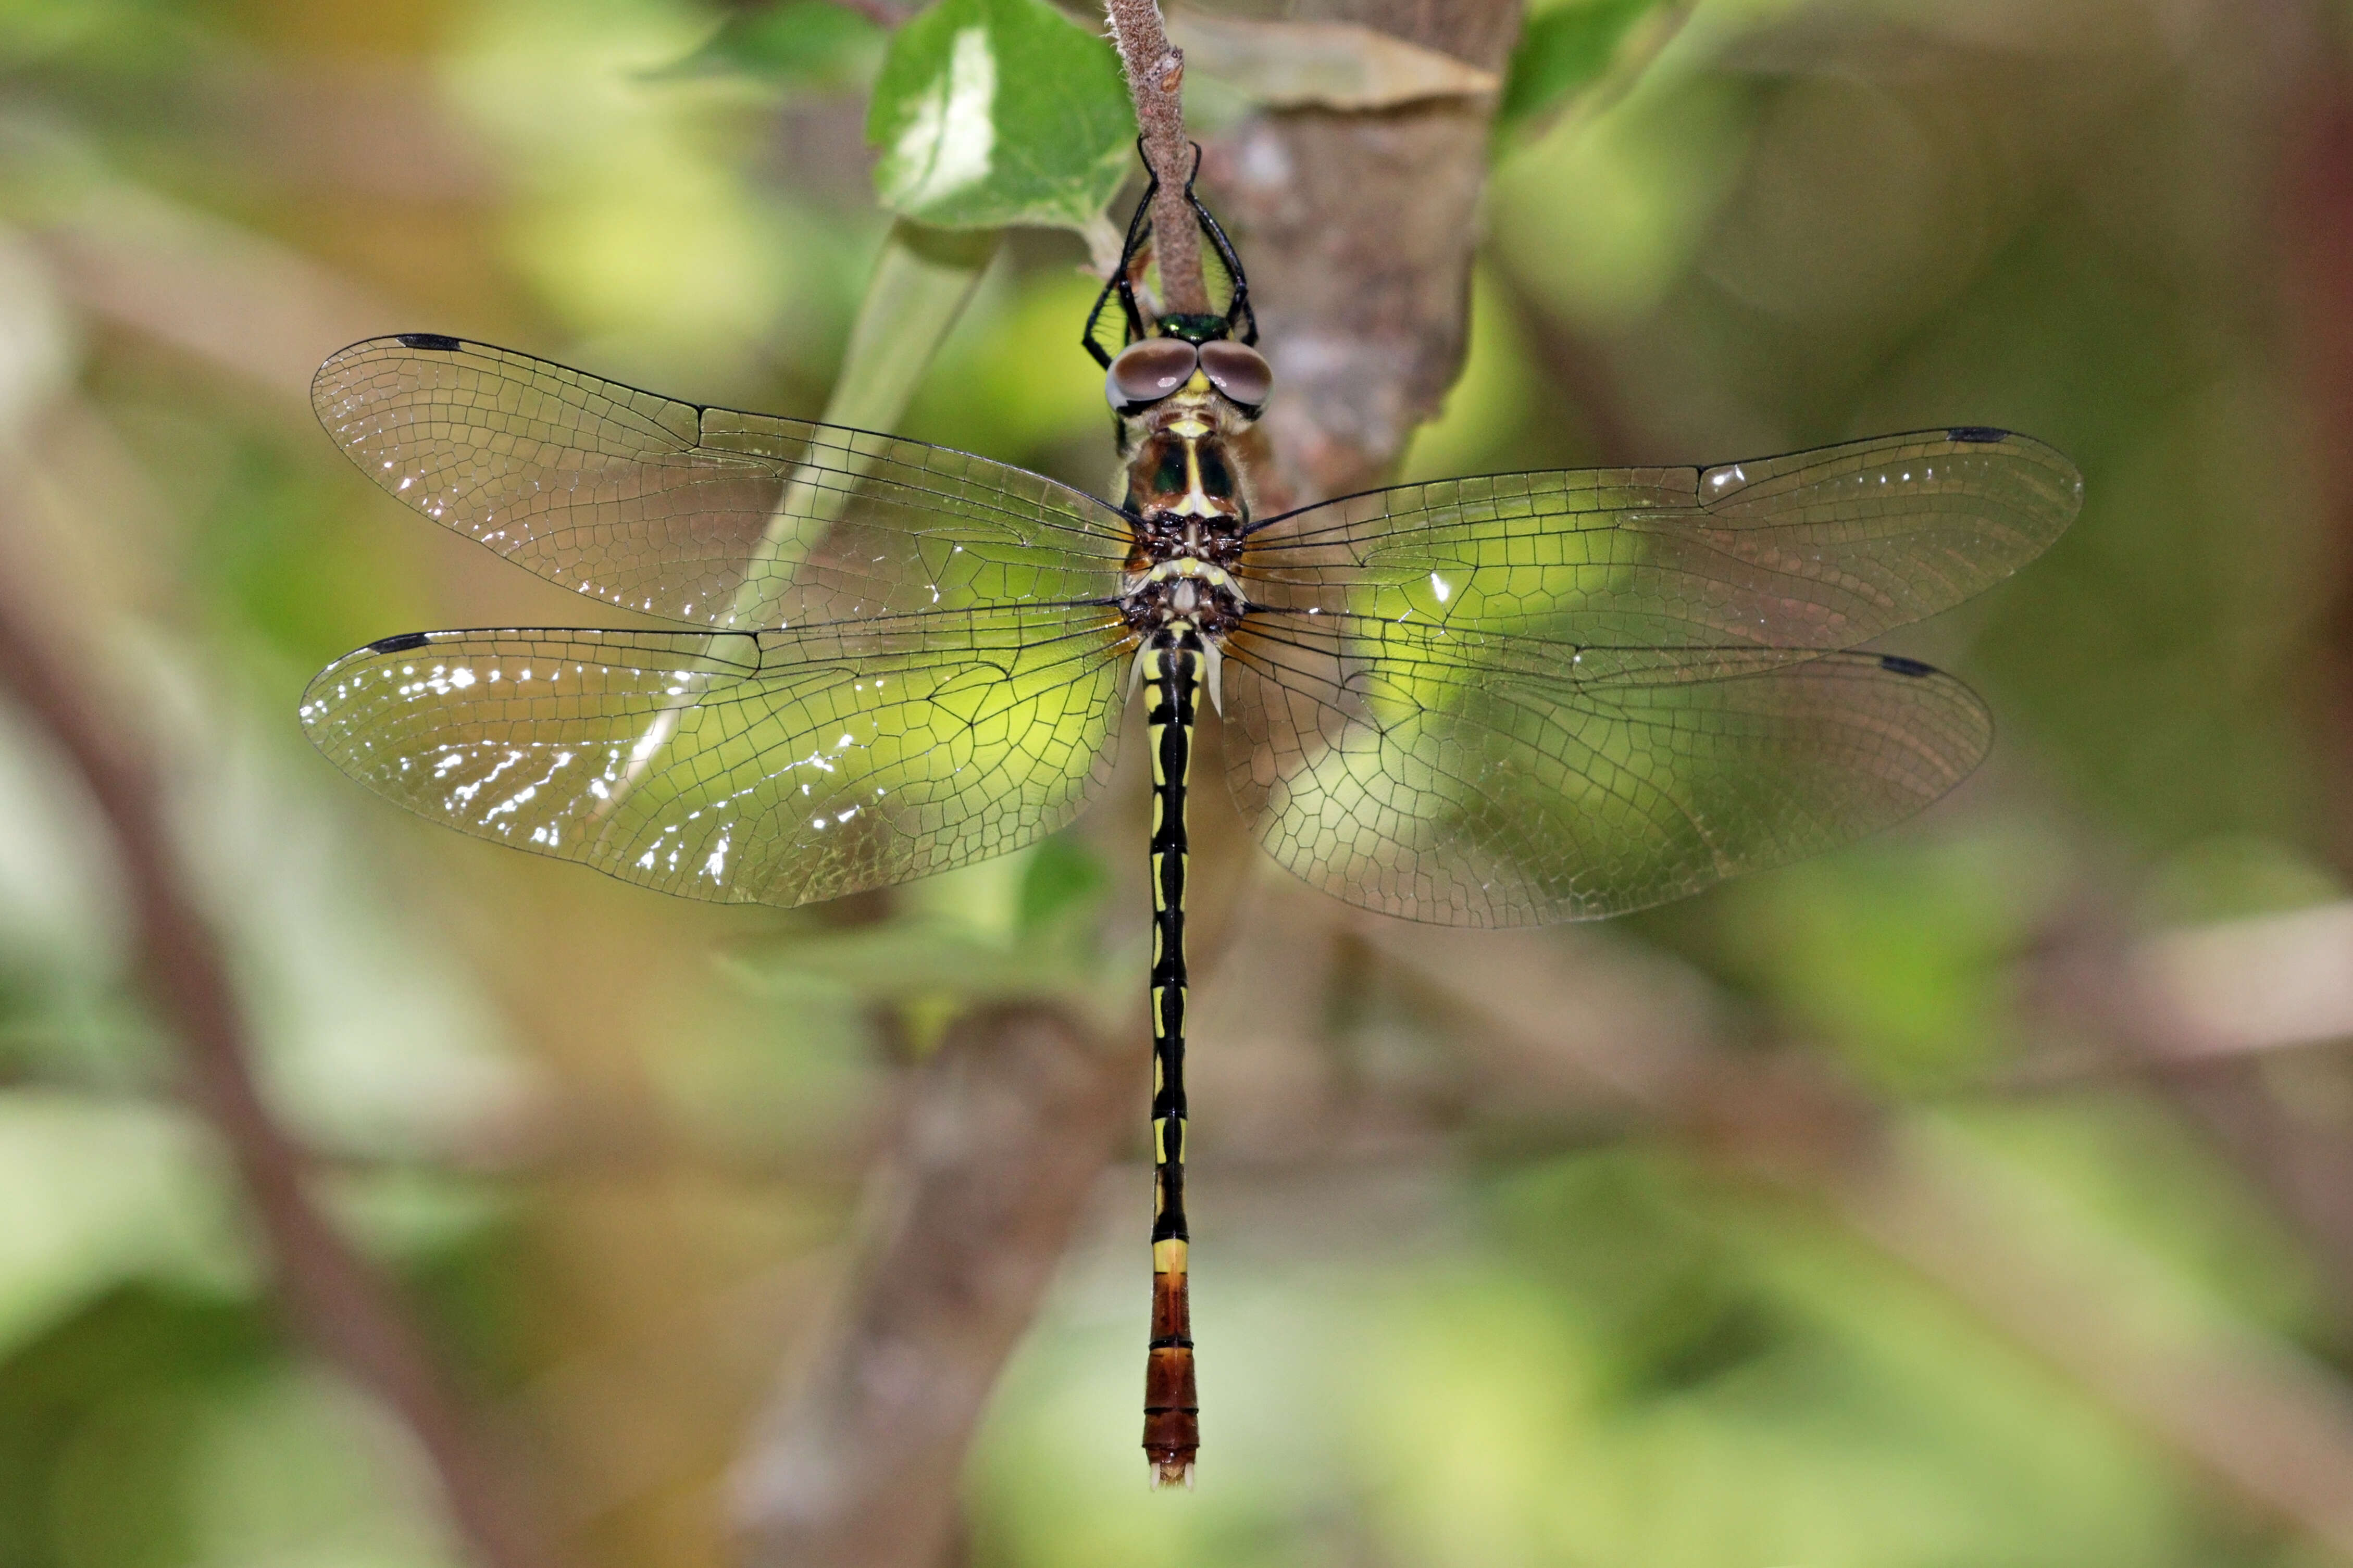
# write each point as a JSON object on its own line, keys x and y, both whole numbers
{"x": 1238, "y": 309}
{"x": 1118, "y": 282}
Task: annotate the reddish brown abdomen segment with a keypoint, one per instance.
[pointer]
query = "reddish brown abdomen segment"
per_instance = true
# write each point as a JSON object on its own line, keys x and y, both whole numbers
{"x": 1172, "y": 1406}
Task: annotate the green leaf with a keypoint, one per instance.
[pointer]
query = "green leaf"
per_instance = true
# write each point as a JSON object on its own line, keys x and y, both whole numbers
{"x": 993, "y": 113}
{"x": 1064, "y": 877}
{"x": 802, "y": 46}
{"x": 1586, "y": 48}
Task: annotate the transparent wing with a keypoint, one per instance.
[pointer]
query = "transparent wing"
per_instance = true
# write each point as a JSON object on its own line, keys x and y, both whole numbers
{"x": 782, "y": 767}
{"x": 1463, "y": 779}
{"x": 1818, "y": 550}
{"x": 705, "y": 516}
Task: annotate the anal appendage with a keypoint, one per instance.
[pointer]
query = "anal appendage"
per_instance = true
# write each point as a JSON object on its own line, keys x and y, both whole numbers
{"x": 1172, "y": 1406}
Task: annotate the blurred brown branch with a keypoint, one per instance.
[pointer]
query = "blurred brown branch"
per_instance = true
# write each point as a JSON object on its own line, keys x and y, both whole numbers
{"x": 334, "y": 1297}
{"x": 2225, "y": 991}
{"x": 1003, "y": 1135}
{"x": 1580, "y": 372}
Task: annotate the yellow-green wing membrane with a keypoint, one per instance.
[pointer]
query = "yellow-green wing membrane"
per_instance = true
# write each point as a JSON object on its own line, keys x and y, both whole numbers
{"x": 1511, "y": 782}
{"x": 1820, "y": 550}
{"x": 1532, "y": 698}
{"x": 705, "y": 516}
{"x": 779, "y": 767}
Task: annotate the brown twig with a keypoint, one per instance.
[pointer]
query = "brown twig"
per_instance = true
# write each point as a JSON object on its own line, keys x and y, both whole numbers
{"x": 1005, "y": 1132}
{"x": 885, "y": 14}
{"x": 1155, "y": 81}
{"x": 333, "y": 1297}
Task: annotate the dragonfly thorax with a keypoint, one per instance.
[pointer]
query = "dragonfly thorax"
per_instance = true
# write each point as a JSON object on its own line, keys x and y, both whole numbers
{"x": 1183, "y": 588}
{"x": 1189, "y": 511}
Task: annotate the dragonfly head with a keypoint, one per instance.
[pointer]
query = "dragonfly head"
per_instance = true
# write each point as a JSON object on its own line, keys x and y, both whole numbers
{"x": 1205, "y": 370}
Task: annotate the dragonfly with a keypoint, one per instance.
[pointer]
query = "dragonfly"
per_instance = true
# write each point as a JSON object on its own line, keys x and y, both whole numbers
{"x": 1496, "y": 701}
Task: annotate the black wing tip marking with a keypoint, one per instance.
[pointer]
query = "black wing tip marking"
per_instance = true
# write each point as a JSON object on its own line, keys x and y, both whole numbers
{"x": 1978, "y": 435}
{"x": 1896, "y": 663}
{"x": 331, "y": 381}
{"x": 407, "y": 642}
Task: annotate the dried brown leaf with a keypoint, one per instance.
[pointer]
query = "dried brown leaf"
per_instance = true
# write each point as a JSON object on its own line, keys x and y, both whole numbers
{"x": 1321, "y": 65}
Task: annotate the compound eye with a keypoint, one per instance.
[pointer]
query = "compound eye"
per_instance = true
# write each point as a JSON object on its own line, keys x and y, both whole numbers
{"x": 1239, "y": 371}
{"x": 1146, "y": 372}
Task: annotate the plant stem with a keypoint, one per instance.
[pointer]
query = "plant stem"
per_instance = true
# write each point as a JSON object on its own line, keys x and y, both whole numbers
{"x": 1155, "y": 80}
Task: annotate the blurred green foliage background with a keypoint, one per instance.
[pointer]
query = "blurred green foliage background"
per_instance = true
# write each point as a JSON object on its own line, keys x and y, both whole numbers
{"x": 612, "y": 1144}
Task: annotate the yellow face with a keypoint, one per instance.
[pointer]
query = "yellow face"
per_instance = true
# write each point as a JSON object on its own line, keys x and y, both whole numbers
{"x": 1179, "y": 462}
{"x": 1176, "y": 472}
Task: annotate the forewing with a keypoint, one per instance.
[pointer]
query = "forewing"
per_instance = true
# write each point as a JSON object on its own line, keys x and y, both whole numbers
{"x": 784, "y": 767}
{"x": 1499, "y": 781}
{"x": 706, "y": 516}
{"x": 1818, "y": 550}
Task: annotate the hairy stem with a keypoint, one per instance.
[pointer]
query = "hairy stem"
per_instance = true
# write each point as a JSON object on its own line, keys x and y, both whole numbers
{"x": 1155, "y": 81}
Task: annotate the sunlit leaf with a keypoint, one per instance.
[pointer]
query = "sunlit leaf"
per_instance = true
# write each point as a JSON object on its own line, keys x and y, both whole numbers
{"x": 993, "y": 113}
{"x": 97, "y": 1193}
